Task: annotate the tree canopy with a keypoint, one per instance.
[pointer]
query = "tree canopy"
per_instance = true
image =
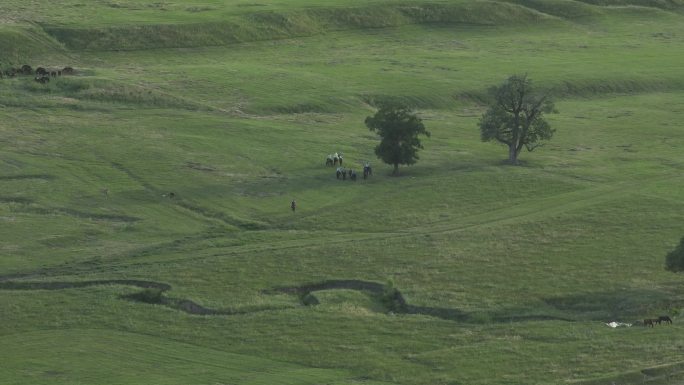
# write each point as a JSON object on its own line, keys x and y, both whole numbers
{"x": 674, "y": 260}
{"x": 398, "y": 128}
{"x": 516, "y": 117}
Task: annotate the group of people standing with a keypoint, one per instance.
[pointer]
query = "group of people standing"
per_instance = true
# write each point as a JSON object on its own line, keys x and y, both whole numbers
{"x": 343, "y": 172}
{"x": 340, "y": 172}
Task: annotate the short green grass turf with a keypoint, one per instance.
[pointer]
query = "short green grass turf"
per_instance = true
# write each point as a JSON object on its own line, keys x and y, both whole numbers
{"x": 119, "y": 357}
{"x": 533, "y": 259}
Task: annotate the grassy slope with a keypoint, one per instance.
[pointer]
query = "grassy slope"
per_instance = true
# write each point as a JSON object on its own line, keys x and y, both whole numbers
{"x": 577, "y": 233}
{"x": 133, "y": 358}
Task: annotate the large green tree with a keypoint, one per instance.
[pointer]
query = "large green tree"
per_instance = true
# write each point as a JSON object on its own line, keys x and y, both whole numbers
{"x": 516, "y": 117}
{"x": 398, "y": 128}
{"x": 674, "y": 260}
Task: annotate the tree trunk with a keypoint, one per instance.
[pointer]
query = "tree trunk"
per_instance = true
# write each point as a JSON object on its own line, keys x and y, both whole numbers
{"x": 512, "y": 154}
{"x": 396, "y": 169}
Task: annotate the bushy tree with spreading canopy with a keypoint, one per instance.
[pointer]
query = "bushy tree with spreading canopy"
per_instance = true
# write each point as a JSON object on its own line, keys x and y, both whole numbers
{"x": 516, "y": 117}
{"x": 674, "y": 260}
{"x": 398, "y": 128}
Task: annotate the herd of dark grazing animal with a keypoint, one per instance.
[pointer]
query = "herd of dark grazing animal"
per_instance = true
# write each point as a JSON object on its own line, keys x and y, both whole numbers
{"x": 341, "y": 172}
{"x": 652, "y": 321}
{"x": 42, "y": 75}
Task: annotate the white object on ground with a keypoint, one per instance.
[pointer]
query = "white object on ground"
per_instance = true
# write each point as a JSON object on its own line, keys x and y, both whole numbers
{"x": 618, "y": 324}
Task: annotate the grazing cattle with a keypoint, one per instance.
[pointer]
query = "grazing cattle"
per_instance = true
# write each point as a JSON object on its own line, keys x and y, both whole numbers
{"x": 650, "y": 322}
{"x": 42, "y": 79}
{"x": 68, "y": 71}
{"x": 26, "y": 69}
{"x": 53, "y": 74}
{"x": 338, "y": 172}
{"x": 41, "y": 71}
{"x": 352, "y": 175}
{"x": 664, "y": 318}
{"x": 340, "y": 159}
{"x": 329, "y": 160}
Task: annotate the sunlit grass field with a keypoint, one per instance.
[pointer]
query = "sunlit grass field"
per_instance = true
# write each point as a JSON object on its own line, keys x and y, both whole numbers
{"x": 509, "y": 274}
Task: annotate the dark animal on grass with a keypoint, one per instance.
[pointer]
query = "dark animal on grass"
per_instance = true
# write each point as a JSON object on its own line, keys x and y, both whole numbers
{"x": 26, "y": 69}
{"x": 338, "y": 173}
{"x": 650, "y": 322}
{"x": 41, "y": 71}
{"x": 42, "y": 79}
{"x": 329, "y": 161}
{"x": 53, "y": 74}
{"x": 367, "y": 171}
{"x": 352, "y": 175}
{"x": 340, "y": 159}
{"x": 68, "y": 71}
{"x": 344, "y": 174}
{"x": 664, "y": 318}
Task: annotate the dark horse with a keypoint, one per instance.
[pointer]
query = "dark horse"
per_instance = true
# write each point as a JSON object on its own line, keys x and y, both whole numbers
{"x": 650, "y": 322}
{"x": 664, "y": 318}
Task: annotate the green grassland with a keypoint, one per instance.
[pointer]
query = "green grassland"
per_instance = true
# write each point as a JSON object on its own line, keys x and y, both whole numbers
{"x": 509, "y": 273}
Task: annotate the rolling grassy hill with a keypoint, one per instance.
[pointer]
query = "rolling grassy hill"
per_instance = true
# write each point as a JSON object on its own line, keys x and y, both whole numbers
{"x": 508, "y": 273}
{"x": 131, "y": 358}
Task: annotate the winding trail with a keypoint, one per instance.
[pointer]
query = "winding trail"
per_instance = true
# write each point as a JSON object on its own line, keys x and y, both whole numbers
{"x": 373, "y": 288}
{"x": 184, "y": 305}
